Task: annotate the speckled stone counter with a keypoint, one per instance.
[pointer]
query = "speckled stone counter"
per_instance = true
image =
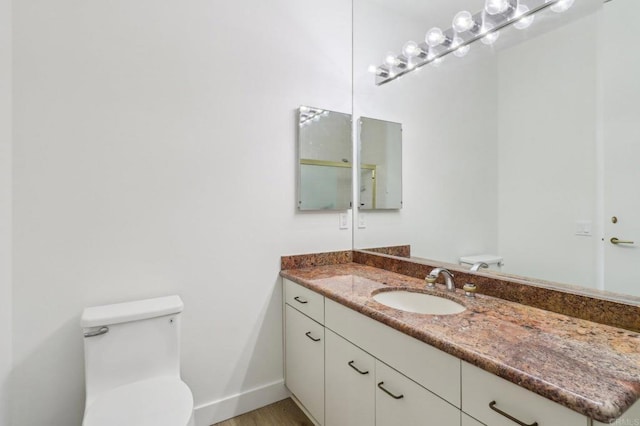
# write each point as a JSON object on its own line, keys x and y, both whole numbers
{"x": 591, "y": 368}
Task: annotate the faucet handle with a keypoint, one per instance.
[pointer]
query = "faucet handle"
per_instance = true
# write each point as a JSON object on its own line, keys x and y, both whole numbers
{"x": 470, "y": 290}
{"x": 431, "y": 280}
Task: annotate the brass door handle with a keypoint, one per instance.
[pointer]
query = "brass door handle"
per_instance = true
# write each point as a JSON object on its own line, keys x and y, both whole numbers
{"x": 614, "y": 240}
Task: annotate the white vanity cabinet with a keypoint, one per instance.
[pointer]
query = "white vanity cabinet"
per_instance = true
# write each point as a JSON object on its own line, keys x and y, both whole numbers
{"x": 349, "y": 383}
{"x": 348, "y": 369}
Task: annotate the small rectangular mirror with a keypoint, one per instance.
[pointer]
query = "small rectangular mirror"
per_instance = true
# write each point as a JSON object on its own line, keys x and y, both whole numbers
{"x": 324, "y": 159}
{"x": 380, "y": 164}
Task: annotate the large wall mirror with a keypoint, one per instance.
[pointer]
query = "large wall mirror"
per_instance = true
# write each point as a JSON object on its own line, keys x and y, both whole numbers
{"x": 527, "y": 148}
{"x": 324, "y": 159}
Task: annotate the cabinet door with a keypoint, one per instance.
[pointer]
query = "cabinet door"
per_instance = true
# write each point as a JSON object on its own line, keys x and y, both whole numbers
{"x": 400, "y": 401}
{"x": 304, "y": 361}
{"x": 349, "y": 383}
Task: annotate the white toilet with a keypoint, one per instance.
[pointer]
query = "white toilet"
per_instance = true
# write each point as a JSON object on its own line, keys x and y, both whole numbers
{"x": 132, "y": 365}
{"x": 495, "y": 262}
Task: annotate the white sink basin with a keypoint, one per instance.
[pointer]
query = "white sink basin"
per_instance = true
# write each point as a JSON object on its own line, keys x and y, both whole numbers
{"x": 419, "y": 303}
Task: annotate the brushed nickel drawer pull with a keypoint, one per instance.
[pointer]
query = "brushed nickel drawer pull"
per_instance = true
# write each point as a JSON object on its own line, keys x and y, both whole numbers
{"x": 492, "y": 405}
{"x": 380, "y": 385}
{"x": 308, "y": 334}
{"x": 297, "y": 299}
{"x": 99, "y": 332}
{"x": 356, "y": 368}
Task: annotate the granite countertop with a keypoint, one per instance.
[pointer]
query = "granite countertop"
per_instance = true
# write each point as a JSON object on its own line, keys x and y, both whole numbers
{"x": 591, "y": 368}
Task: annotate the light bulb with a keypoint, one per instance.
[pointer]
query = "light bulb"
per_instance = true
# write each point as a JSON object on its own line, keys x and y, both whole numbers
{"x": 462, "y": 51}
{"x": 459, "y": 51}
{"x": 524, "y": 22}
{"x": 463, "y": 21}
{"x": 390, "y": 59}
{"x": 434, "y": 37}
{"x": 410, "y": 49}
{"x": 378, "y": 71}
{"x": 490, "y": 38}
{"x": 562, "y": 5}
{"x": 493, "y": 7}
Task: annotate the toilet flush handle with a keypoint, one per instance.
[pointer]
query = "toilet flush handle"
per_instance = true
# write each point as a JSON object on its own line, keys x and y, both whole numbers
{"x": 98, "y": 332}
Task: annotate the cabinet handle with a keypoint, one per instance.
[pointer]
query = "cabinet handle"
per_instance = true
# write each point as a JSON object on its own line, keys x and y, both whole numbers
{"x": 297, "y": 299}
{"x": 308, "y": 334}
{"x": 380, "y": 385}
{"x": 492, "y": 405}
{"x": 101, "y": 331}
{"x": 356, "y": 368}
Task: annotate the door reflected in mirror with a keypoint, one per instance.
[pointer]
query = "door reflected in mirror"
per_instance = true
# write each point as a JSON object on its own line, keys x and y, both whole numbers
{"x": 324, "y": 159}
{"x": 380, "y": 164}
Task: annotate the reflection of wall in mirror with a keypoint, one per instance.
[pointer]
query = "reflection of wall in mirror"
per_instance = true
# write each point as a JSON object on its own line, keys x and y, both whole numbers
{"x": 449, "y": 141}
{"x": 381, "y": 147}
{"x": 328, "y": 138}
{"x": 547, "y": 119}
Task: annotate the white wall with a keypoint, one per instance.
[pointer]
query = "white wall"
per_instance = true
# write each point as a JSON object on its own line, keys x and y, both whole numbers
{"x": 155, "y": 154}
{"x": 5, "y": 209}
{"x": 547, "y": 179}
{"x": 449, "y": 139}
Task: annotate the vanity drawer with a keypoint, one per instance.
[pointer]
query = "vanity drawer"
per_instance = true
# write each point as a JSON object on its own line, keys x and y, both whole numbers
{"x": 430, "y": 367}
{"x": 306, "y": 301}
{"x": 481, "y": 390}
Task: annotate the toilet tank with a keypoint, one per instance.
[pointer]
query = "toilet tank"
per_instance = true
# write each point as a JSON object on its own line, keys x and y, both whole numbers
{"x": 495, "y": 262}
{"x": 129, "y": 342}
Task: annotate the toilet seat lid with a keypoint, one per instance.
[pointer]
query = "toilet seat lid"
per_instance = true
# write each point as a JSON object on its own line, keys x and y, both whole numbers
{"x": 165, "y": 401}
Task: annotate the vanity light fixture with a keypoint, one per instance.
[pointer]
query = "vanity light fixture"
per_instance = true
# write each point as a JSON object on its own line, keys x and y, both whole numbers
{"x": 465, "y": 30}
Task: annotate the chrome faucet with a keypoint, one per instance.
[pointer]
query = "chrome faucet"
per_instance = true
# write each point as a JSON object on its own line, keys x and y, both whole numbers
{"x": 476, "y": 266}
{"x": 448, "y": 278}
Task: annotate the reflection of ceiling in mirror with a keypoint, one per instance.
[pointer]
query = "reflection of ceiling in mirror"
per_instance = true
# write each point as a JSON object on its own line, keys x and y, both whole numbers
{"x": 431, "y": 13}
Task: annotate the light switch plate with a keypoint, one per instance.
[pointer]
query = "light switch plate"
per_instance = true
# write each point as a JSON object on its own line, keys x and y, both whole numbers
{"x": 344, "y": 220}
{"x": 362, "y": 220}
{"x": 584, "y": 228}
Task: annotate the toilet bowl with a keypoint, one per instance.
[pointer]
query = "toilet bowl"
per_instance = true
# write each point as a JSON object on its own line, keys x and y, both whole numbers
{"x": 132, "y": 365}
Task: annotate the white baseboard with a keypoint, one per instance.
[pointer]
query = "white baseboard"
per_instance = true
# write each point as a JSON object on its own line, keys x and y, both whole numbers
{"x": 223, "y": 409}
